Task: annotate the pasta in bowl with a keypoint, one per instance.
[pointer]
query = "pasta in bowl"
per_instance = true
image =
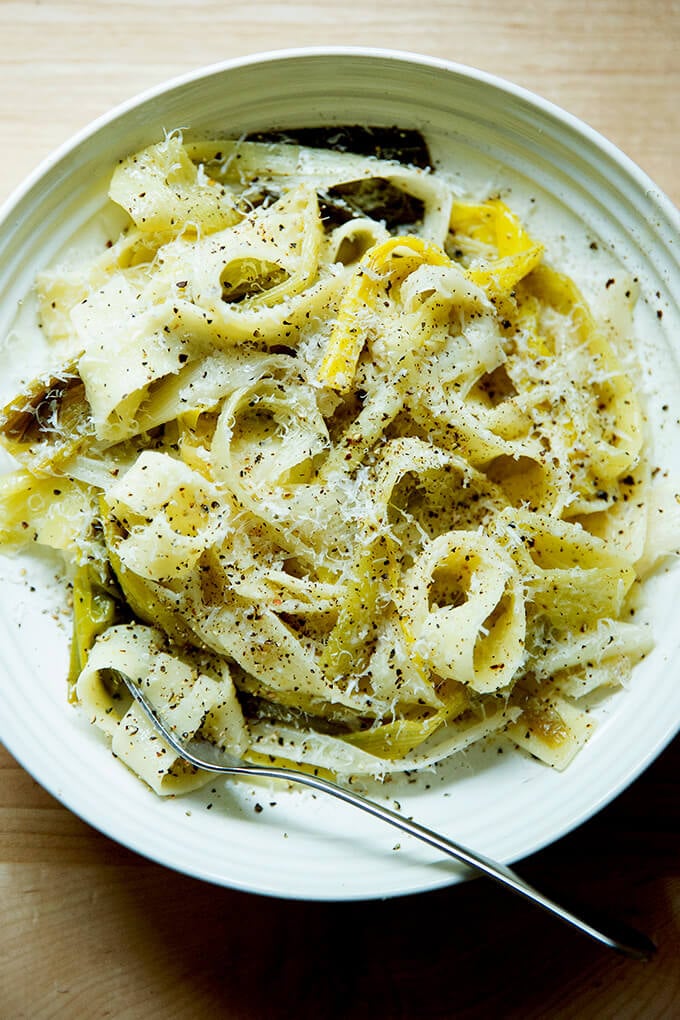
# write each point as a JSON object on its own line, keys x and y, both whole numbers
{"x": 345, "y": 472}
{"x": 246, "y": 456}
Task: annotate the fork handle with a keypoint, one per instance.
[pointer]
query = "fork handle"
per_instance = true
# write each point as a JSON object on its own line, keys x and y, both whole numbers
{"x": 618, "y": 935}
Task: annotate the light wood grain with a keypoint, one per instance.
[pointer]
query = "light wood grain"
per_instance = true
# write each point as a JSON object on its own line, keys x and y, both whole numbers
{"x": 91, "y": 930}
{"x": 612, "y": 63}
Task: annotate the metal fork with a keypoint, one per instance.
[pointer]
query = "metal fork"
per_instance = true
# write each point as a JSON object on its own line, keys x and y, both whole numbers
{"x": 618, "y": 935}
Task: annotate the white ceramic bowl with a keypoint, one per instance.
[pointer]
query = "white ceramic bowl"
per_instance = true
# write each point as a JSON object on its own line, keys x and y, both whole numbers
{"x": 506, "y": 806}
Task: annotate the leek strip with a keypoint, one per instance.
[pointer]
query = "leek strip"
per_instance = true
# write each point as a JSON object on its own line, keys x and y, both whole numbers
{"x": 95, "y": 609}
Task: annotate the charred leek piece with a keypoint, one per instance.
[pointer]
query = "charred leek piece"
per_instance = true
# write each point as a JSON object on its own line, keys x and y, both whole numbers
{"x": 49, "y": 421}
{"x": 406, "y": 146}
{"x": 376, "y": 197}
{"x": 145, "y": 598}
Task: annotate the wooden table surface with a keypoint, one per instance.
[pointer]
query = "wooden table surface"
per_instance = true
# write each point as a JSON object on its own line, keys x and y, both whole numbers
{"x": 88, "y": 929}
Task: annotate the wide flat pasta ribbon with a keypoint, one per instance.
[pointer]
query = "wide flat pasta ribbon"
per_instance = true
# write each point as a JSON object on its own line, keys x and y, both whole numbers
{"x": 464, "y": 605}
{"x": 512, "y": 252}
{"x": 191, "y": 696}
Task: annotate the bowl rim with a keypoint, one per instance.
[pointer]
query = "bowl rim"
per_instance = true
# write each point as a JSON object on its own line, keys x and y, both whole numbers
{"x": 641, "y": 178}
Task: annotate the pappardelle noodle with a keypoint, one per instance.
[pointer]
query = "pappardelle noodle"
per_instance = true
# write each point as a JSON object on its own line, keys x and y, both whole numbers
{"x": 344, "y": 471}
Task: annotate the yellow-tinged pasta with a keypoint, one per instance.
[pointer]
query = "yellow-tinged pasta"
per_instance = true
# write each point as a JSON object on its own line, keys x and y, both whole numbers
{"x": 385, "y": 267}
{"x": 512, "y": 253}
{"x": 169, "y": 514}
{"x": 581, "y": 393}
{"x": 347, "y": 473}
{"x": 551, "y": 728}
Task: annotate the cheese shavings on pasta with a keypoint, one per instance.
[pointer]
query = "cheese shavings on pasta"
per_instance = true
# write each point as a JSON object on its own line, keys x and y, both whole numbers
{"x": 345, "y": 472}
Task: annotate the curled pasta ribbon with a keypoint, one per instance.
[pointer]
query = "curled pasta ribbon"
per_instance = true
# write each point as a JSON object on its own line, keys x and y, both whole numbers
{"x": 511, "y": 255}
{"x": 351, "y": 241}
{"x": 464, "y": 605}
{"x": 266, "y": 440}
{"x": 266, "y": 437}
{"x": 605, "y": 421}
{"x": 528, "y": 478}
{"x": 244, "y": 165}
{"x": 386, "y": 264}
{"x": 256, "y": 279}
